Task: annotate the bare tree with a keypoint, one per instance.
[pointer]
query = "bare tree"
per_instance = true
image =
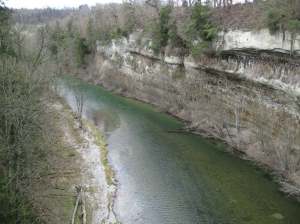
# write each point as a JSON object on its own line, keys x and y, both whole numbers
{"x": 78, "y": 89}
{"x": 22, "y": 103}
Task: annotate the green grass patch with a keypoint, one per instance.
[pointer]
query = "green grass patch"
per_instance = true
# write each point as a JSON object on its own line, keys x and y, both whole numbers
{"x": 109, "y": 173}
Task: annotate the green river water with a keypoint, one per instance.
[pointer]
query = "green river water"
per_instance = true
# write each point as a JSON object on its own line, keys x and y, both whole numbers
{"x": 179, "y": 178}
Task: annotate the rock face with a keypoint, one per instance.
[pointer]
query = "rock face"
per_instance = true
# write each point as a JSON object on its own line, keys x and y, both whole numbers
{"x": 257, "y": 62}
{"x": 246, "y": 84}
{"x": 257, "y": 40}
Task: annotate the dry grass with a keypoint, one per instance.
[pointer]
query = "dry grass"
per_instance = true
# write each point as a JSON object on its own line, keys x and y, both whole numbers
{"x": 55, "y": 190}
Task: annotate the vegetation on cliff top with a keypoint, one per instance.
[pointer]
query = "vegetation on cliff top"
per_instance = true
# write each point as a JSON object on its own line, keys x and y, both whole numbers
{"x": 186, "y": 24}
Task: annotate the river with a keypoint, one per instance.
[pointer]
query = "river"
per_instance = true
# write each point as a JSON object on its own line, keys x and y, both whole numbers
{"x": 179, "y": 178}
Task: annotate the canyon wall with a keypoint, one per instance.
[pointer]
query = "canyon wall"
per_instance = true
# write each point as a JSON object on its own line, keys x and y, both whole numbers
{"x": 244, "y": 89}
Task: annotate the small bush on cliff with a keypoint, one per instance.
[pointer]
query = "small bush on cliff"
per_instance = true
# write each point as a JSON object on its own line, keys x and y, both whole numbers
{"x": 118, "y": 59}
{"x": 132, "y": 62}
{"x": 118, "y": 33}
{"x": 209, "y": 32}
{"x": 273, "y": 22}
{"x": 198, "y": 49}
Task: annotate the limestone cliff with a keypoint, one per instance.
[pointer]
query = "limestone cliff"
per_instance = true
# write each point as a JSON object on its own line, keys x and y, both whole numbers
{"x": 244, "y": 89}
{"x": 250, "y": 59}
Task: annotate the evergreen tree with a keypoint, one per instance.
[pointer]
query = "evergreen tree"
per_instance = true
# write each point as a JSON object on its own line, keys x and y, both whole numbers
{"x": 6, "y": 46}
{"x": 161, "y": 36}
{"x": 70, "y": 30}
{"x": 81, "y": 50}
{"x": 199, "y": 16}
{"x": 90, "y": 33}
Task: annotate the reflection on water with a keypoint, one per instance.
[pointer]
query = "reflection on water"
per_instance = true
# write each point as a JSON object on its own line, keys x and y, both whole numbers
{"x": 175, "y": 177}
{"x": 106, "y": 121}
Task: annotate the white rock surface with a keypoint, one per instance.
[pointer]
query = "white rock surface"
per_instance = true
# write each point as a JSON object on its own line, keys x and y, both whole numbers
{"x": 260, "y": 40}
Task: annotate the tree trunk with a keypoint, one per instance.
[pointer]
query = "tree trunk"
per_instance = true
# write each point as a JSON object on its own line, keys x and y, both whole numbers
{"x": 77, "y": 203}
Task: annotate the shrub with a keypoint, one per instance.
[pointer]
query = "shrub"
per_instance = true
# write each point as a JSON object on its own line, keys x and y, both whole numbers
{"x": 272, "y": 22}
{"x": 198, "y": 49}
{"x": 118, "y": 59}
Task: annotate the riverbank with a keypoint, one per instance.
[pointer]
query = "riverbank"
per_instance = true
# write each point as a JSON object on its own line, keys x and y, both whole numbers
{"x": 84, "y": 154}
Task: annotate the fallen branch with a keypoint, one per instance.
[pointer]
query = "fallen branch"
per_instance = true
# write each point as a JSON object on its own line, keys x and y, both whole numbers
{"x": 289, "y": 189}
{"x": 204, "y": 134}
{"x": 80, "y": 200}
{"x": 184, "y": 130}
{"x": 83, "y": 208}
{"x": 79, "y": 188}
